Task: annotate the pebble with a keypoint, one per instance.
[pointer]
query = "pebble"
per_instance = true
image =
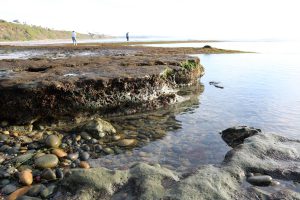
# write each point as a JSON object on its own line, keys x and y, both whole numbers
{"x": 48, "y": 174}
{"x": 108, "y": 150}
{"x": 84, "y": 156}
{"x": 46, "y": 161}
{"x": 2, "y": 158}
{"x": 275, "y": 183}
{"x": 59, "y": 173}
{"x": 28, "y": 198}
{"x": 6, "y": 132}
{"x": 18, "y": 193}
{"x": 10, "y": 188}
{"x": 85, "y": 136}
{"x": 98, "y": 148}
{"x": 4, "y": 182}
{"x": 127, "y": 142}
{"x": 84, "y": 164}
{"x": 3, "y": 138}
{"x": 35, "y": 190}
{"x": 52, "y": 141}
{"x": 116, "y": 137}
{"x": 73, "y": 156}
{"x": 85, "y": 147}
{"x": 45, "y": 193}
{"x": 26, "y": 177}
{"x": 59, "y": 153}
{"x": 260, "y": 180}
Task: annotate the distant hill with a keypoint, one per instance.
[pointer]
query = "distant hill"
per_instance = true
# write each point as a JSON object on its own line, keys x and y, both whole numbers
{"x": 22, "y": 32}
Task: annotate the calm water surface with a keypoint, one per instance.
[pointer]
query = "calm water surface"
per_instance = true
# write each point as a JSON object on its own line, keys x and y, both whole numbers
{"x": 260, "y": 90}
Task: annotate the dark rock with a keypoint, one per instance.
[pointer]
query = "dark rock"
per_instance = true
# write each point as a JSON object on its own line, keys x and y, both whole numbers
{"x": 48, "y": 174}
{"x": 216, "y": 84}
{"x": 207, "y": 47}
{"x": 59, "y": 173}
{"x": 47, "y": 192}
{"x": 10, "y": 188}
{"x": 4, "y": 182}
{"x": 85, "y": 136}
{"x": 260, "y": 180}
{"x": 84, "y": 156}
{"x": 236, "y": 135}
{"x": 28, "y": 198}
{"x": 85, "y": 147}
{"x": 35, "y": 190}
{"x": 98, "y": 148}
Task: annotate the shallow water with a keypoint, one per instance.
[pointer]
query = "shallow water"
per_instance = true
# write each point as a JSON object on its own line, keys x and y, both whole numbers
{"x": 260, "y": 90}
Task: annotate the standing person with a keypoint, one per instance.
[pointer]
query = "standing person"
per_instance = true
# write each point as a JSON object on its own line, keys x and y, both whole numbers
{"x": 127, "y": 36}
{"x": 74, "y": 38}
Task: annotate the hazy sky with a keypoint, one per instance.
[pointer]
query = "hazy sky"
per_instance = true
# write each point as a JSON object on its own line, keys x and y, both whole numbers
{"x": 203, "y": 19}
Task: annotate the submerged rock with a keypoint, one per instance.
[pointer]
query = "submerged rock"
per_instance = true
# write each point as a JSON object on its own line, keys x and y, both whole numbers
{"x": 97, "y": 128}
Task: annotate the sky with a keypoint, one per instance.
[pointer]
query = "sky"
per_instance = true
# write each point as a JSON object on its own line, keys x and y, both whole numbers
{"x": 189, "y": 19}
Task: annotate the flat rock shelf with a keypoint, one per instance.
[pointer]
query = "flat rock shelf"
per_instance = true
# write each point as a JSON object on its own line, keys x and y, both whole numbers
{"x": 39, "y": 88}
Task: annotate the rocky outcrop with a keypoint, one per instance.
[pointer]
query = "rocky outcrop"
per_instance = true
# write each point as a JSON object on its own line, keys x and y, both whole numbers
{"x": 265, "y": 154}
{"x": 236, "y": 135}
{"x": 109, "y": 85}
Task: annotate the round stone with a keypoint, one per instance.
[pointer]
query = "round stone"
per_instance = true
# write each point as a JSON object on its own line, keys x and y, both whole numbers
{"x": 46, "y": 161}
{"x": 73, "y": 156}
{"x": 127, "y": 142}
{"x": 52, "y": 141}
{"x": 85, "y": 136}
{"x": 85, "y": 147}
{"x": 260, "y": 180}
{"x": 59, "y": 153}
{"x": 26, "y": 177}
{"x": 48, "y": 174}
{"x": 3, "y": 138}
{"x": 116, "y": 137}
{"x": 35, "y": 190}
{"x": 84, "y": 164}
{"x": 108, "y": 150}
{"x": 98, "y": 148}
{"x": 84, "y": 156}
{"x": 8, "y": 189}
{"x": 59, "y": 173}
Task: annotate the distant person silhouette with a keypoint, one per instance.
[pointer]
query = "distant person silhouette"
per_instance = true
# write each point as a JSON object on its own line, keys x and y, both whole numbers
{"x": 74, "y": 38}
{"x": 127, "y": 36}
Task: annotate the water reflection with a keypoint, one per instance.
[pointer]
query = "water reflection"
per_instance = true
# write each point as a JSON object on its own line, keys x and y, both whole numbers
{"x": 161, "y": 138}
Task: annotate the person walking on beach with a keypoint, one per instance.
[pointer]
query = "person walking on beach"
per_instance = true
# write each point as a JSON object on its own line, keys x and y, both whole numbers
{"x": 74, "y": 38}
{"x": 127, "y": 36}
